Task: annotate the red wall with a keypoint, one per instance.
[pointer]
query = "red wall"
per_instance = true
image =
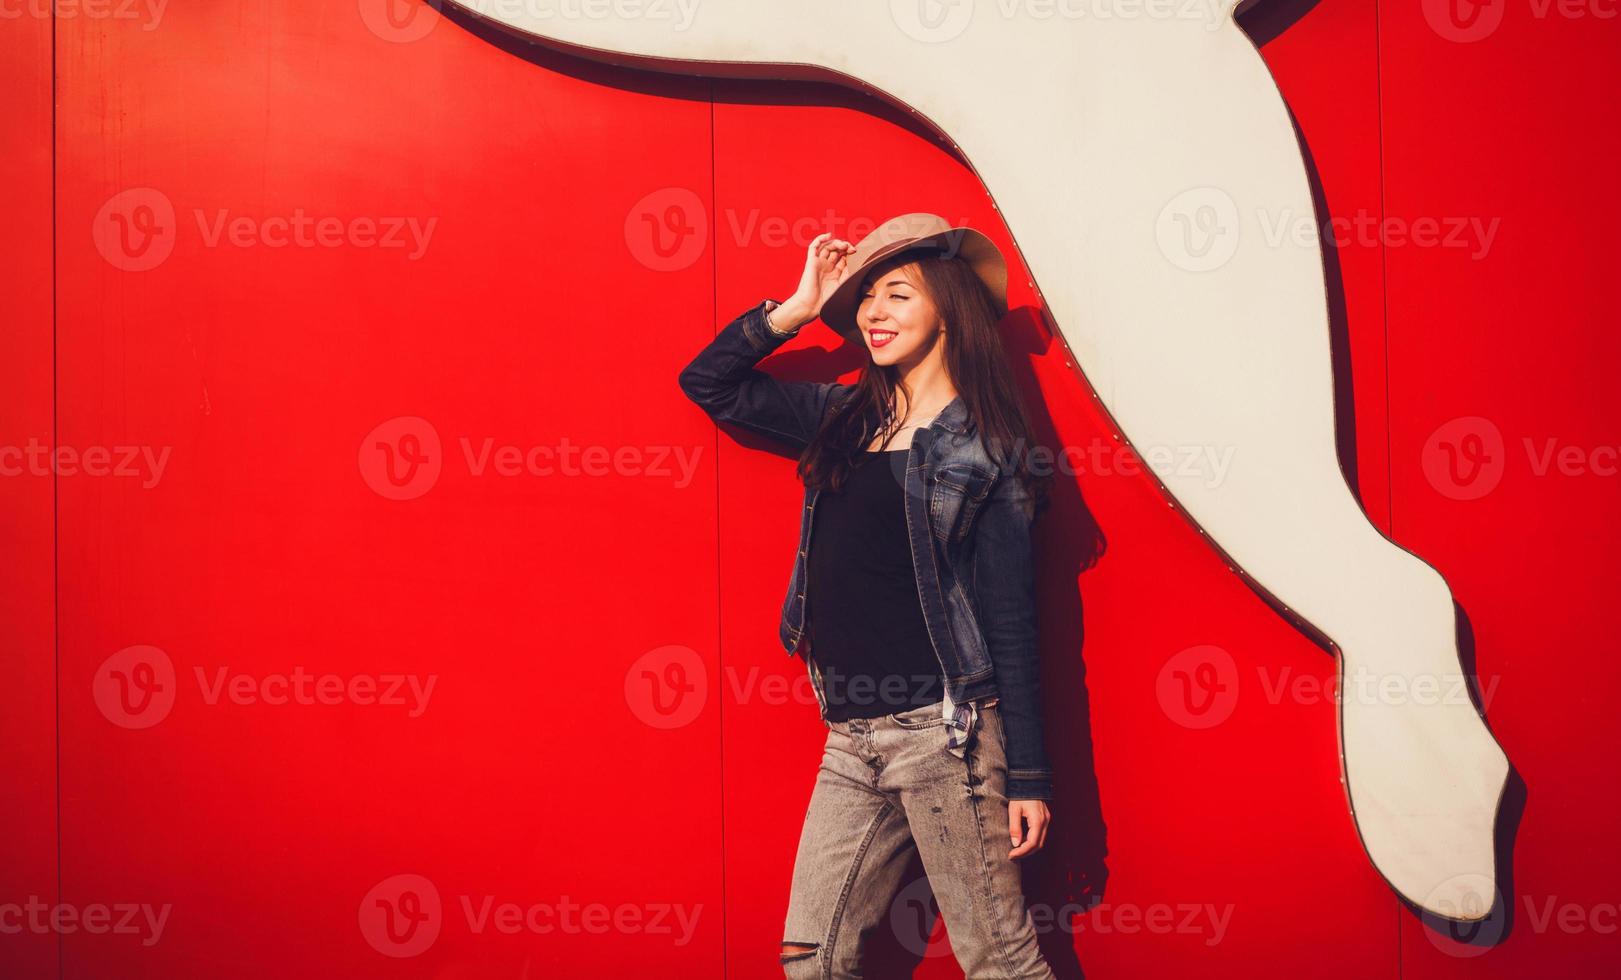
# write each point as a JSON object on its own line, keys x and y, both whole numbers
{"x": 615, "y": 749}
{"x": 28, "y": 861}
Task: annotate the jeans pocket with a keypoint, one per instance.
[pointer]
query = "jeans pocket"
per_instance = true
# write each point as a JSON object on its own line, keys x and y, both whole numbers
{"x": 918, "y": 719}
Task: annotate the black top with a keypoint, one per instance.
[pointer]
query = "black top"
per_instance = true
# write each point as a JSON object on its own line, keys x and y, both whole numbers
{"x": 866, "y": 621}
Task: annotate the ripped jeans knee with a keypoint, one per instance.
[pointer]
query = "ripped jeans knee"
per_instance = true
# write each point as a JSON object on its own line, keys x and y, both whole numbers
{"x": 799, "y": 960}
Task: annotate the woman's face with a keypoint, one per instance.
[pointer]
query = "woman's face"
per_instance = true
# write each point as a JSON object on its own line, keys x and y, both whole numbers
{"x": 897, "y": 321}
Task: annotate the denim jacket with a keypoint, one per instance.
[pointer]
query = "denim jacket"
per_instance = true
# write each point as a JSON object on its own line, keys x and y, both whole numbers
{"x": 970, "y": 531}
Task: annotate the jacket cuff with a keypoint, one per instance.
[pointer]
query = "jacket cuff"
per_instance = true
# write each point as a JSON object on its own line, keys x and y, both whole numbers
{"x": 757, "y": 328}
{"x": 1027, "y": 785}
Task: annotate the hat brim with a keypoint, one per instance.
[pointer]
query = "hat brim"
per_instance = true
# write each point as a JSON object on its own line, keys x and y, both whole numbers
{"x": 839, "y": 312}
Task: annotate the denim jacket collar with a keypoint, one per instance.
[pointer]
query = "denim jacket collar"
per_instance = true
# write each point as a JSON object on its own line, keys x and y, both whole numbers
{"x": 954, "y": 416}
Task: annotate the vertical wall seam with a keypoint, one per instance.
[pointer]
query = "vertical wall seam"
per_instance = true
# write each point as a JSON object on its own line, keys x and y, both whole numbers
{"x": 720, "y": 652}
{"x": 56, "y": 525}
{"x": 1384, "y": 275}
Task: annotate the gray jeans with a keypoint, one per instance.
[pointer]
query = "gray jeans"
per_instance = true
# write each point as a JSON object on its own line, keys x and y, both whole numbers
{"x": 887, "y": 788}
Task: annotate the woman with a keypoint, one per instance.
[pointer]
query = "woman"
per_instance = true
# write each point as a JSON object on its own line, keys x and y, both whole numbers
{"x": 913, "y": 602}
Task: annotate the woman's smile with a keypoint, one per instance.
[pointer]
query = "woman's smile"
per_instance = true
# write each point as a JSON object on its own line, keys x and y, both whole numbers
{"x": 880, "y": 337}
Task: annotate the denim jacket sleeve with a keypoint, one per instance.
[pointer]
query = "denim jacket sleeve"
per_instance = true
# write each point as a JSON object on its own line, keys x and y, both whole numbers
{"x": 723, "y": 381}
{"x": 1004, "y": 584}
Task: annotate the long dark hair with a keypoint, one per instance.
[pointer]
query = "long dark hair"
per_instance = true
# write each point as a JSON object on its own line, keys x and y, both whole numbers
{"x": 975, "y": 359}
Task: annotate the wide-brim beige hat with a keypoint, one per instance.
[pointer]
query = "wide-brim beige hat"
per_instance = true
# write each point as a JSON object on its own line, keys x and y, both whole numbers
{"x": 921, "y": 231}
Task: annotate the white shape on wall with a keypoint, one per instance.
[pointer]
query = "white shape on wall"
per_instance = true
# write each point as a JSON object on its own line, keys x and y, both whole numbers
{"x": 1136, "y": 159}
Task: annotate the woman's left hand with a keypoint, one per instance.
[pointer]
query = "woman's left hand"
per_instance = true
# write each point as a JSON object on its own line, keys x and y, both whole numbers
{"x": 1036, "y": 814}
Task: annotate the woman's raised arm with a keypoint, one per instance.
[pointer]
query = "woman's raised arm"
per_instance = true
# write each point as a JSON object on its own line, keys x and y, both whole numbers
{"x": 723, "y": 380}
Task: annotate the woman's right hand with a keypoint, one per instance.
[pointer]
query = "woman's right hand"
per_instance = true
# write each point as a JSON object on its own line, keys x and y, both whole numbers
{"x": 826, "y": 266}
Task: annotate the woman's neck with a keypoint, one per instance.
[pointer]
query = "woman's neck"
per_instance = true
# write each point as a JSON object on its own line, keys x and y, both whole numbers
{"x": 931, "y": 389}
